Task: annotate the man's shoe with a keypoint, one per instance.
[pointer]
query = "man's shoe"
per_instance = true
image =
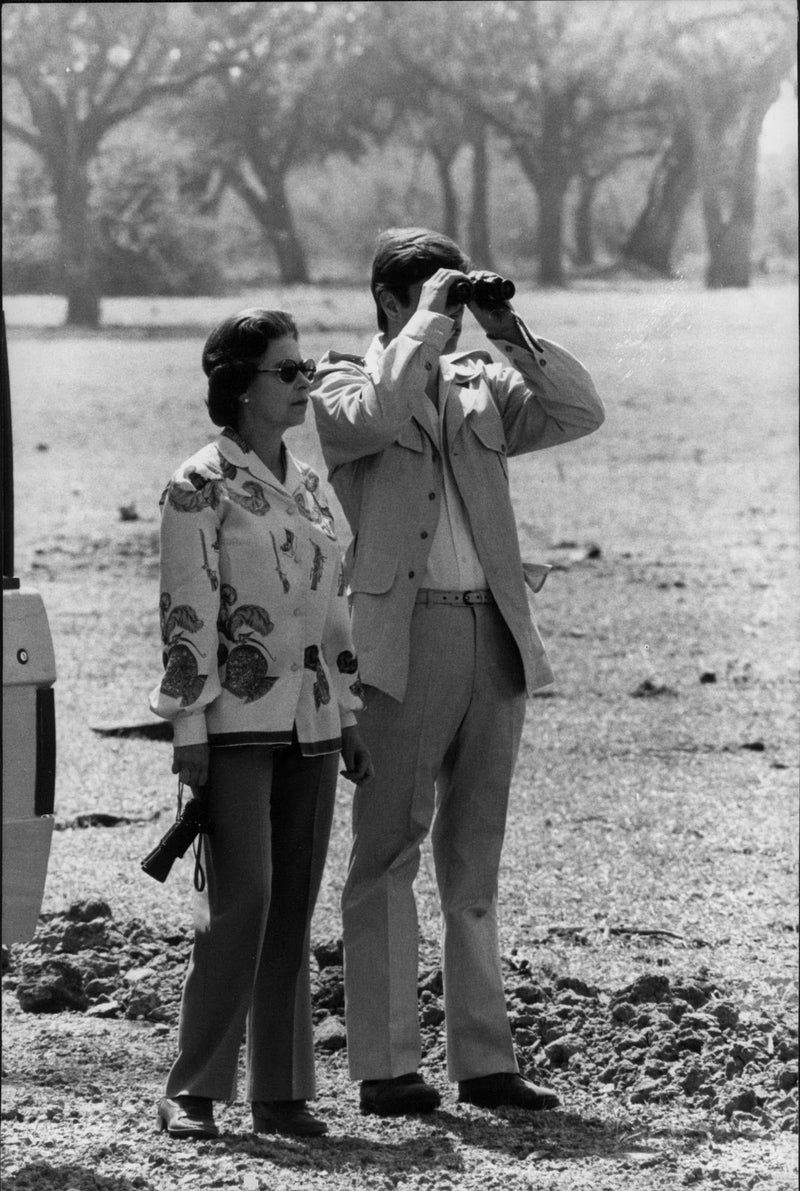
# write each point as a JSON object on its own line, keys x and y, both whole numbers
{"x": 187, "y": 1116}
{"x": 290, "y": 1117}
{"x": 506, "y": 1088}
{"x": 393, "y": 1097}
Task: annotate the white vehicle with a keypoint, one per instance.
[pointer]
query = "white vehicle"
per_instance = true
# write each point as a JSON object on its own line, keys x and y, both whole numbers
{"x": 29, "y": 728}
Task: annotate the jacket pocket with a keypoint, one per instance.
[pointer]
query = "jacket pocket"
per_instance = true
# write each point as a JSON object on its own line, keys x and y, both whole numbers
{"x": 410, "y": 436}
{"x": 488, "y": 429}
{"x": 374, "y": 570}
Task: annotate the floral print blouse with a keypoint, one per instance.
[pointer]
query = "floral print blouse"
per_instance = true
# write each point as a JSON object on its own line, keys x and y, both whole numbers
{"x": 254, "y": 616}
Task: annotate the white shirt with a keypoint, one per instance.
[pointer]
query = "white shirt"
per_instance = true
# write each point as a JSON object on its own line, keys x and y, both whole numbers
{"x": 453, "y": 563}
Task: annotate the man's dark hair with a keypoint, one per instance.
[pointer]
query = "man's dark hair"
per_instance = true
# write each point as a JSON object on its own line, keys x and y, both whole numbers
{"x": 231, "y": 355}
{"x": 405, "y": 255}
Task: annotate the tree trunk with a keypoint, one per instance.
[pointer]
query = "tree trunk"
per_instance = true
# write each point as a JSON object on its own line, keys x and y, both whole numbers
{"x": 548, "y": 167}
{"x": 674, "y": 181}
{"x": 71, "y": 185}
{"x": 729, "y": 263}
{"x": 274, "y": 216}
{"x": 478, "y": 237}
{"x": 551, "y": 192}
{"x": 449, "y": 193}
{"x": 584, "y": 241}
{"x": 730, "y": 242}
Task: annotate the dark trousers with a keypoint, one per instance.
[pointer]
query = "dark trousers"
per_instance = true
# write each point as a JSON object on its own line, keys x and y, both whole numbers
{"x": 270, "y": 811}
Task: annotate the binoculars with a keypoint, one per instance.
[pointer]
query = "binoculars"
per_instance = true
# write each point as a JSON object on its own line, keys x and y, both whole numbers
{"x": 494, "y": 291}
{"x": 190, "y": 822}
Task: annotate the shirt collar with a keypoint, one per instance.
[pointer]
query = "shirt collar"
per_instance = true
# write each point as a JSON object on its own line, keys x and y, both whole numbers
{"x": 235, "y": 450}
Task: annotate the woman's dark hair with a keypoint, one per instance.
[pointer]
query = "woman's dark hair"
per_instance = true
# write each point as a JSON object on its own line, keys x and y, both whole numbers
{"x": 405, "y": 255}
{"x": 231, "y": 355}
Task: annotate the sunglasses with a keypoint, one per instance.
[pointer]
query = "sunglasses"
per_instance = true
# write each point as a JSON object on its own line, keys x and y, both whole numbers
{"x": 287, "y": 370}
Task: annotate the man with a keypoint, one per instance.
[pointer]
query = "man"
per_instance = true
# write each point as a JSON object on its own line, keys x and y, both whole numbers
{"x": 416, "y": 440}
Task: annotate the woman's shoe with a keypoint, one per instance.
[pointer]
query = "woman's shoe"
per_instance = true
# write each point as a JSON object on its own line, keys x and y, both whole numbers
{"x": 290, "y": 1117}
{"x": 187, "y": 1116}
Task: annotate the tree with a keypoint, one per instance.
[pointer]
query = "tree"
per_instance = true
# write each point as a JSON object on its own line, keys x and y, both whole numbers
{"x": 672, "y": 185}
{"x": 298, "y": 87}
{"x": 72, "y": 72}
{"x": 534, "y": 71}
{"x": 718, "y": 69}
{"x": 727, "y": 111}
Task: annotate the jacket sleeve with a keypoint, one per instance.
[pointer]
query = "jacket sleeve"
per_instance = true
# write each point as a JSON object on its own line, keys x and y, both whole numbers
{"x": 188, "y": 606}
{"x": 339, "y": 653}
{"x": 360, "y": 411}
{"x": 545, "y": 398}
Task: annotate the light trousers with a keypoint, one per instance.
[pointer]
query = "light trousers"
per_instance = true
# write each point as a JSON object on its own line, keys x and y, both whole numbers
{"x": 444, "y": 757}
{"x": 270, "y": 812}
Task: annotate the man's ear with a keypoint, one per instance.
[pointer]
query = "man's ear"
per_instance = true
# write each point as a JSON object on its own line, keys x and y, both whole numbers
{"x": 388, "y": 302}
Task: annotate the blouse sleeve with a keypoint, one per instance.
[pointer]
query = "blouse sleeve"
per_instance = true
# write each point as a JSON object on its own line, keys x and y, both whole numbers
{"x": 189, "y": 605}
{"x": 337, "y": 646}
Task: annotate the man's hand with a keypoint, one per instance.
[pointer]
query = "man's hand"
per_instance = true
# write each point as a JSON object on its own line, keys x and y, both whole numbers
{"x": 499, "y": 322}
{"x": 434, "y": 293}
{"x": 355, "y": 754}
{"x": 190, "y": 762}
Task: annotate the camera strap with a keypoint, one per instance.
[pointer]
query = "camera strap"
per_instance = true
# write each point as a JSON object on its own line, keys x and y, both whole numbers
{"x": 199, "y": 874}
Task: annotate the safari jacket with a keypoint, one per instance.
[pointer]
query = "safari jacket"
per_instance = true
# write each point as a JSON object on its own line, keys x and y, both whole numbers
{"x": 386, "y": 470}
{"x": 254, "y": 615}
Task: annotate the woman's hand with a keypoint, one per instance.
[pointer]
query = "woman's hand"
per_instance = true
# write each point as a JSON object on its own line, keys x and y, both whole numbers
{"x": 190, "y": 762}
{"x": 355, "y": 754}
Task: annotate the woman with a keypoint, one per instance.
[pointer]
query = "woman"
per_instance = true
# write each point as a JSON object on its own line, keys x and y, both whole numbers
{"x": 261, "y": 685}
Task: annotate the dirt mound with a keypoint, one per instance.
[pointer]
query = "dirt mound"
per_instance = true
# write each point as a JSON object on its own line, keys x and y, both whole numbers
{"x": 657, "y": 1040}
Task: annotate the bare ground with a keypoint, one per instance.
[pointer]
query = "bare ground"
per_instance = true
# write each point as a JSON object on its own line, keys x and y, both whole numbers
{"x": 653, "y": 827}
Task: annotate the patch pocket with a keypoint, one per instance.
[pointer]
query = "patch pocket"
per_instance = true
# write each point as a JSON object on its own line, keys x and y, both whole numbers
{"x": 410, "y": 436}
{"x": 490, "y": 433}
{"x": 374, "y": 571}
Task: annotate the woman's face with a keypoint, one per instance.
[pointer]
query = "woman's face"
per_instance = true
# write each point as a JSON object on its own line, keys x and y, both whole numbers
{"x": 273, "y": 401}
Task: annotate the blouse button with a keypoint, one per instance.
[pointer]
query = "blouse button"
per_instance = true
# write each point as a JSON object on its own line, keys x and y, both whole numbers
{"x": 291, "y": 509}
{"x": 298, "y": 612}
{"x": 295, "y": 666}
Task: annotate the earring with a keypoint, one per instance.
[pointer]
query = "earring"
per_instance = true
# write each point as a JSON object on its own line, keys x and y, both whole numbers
{"x": 245, "y": 400}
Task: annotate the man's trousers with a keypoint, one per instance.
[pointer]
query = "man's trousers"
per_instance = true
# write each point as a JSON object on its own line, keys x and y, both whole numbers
{"x": 444, "y": 756}
{"x": 270, "y": 812}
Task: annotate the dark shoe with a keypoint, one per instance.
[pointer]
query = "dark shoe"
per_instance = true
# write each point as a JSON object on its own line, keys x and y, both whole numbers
{"x": 286, "y": 1116}
{"x": 393, "y": 1097}
{"x": 187, "y": 1116}
{"x": 493, "y": 1091}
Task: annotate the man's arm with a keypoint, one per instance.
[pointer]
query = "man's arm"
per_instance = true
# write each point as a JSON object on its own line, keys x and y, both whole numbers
{"x": 546, "y": 397}
{"x": 361, "y": 410}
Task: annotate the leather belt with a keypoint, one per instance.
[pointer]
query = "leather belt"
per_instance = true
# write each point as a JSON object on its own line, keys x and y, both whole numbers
{"x": 457, "y": 599}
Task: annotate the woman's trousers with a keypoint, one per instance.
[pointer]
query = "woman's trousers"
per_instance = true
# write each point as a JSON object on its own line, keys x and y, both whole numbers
{"x": 270, "y": 812}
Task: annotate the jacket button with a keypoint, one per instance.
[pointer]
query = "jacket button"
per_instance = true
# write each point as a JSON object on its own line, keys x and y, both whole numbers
{"x": 298, "y": 612}
{"x": 424, "y": 533}
{"x": 428, "y": 365}
{"x": 431, "y": 496}
{"x": 411, "y": 574}
{"x": 295, "y": 666}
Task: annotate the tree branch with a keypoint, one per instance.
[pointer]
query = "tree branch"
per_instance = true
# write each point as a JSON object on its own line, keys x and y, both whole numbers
{"x": 23, "y": 134}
